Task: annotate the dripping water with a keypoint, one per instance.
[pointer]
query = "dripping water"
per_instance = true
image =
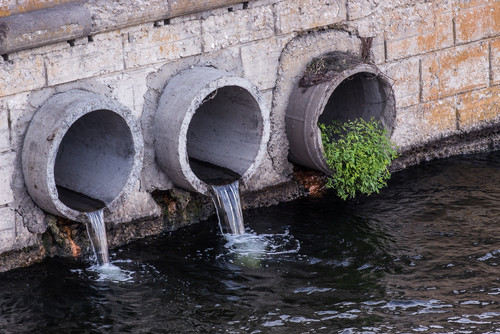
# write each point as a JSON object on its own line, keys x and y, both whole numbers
{"x": 228, "y": 206}
{"x": 96, "y": 230}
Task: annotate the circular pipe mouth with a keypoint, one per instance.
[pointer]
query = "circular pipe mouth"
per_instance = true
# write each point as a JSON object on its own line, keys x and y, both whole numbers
{"x": 94, "y": 161}
{"x": 223, "y": 136}
{"x": 211, "y": 129}
{"x": 359, "y": 92}
{"x": 361, "y": 95}
{"x": 82, "y": 153}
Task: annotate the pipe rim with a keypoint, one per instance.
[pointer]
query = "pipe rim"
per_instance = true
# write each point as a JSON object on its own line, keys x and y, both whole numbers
{"x": 215, "y": 80}
{"x": 310, "y": 133}
{"x": 75, "y": 111}
{"x": 200, "y": 185}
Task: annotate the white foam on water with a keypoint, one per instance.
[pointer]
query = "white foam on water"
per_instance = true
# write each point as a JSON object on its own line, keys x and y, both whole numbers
{"x": 249, "y": 249}
{"x": 111, "y": 272}
{"x": 424, "y": 306}
{"x": 274, "y": 323}
{"x": 106, "y": 273}
{"x": 262, "y": 244}
{"x": 312, "y": 289}
{"x": 490, "y": 255}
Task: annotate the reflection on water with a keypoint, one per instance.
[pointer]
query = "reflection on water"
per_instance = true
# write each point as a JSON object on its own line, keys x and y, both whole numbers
{"x": 422, "y": 256}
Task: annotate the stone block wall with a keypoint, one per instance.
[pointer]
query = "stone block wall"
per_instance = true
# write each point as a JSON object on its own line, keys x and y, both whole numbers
{"x": 443, "y": 58}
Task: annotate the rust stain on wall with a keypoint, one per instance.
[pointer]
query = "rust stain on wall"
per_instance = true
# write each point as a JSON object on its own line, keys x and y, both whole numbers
{"x": 478, "y": 107}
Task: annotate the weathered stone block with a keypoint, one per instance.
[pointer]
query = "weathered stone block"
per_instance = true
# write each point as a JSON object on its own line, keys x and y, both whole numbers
{"x": 495, "y": 61}
{"x": 418, "y": 29}
{"x": 138, "y": 205}
{"x": 422, "y": 123}
{"x": 4, "y": 127}
{"x": 260, "y": 62}
{"x": 477, "y": 21}
{"x": 11, "y": 7}
{"x": 455, "y": 70}
{"x": 306, "y": 14}
{"x": 150, "y": 45}
{"x": 372, "y": 28}
{"x": 238, "y": 27}
{"x": 361, "y": 8}
{"x": 21, "y": 74}
{"x": 478, "y": 108}
{"x": 182, "y": 7}
{"x": 103, "y": 55}
{"x": 406, "y": 81}
{"x": 20, "y": 116}
{"x": 6, "y": 174}
{"x": 7, "y": 228}
{"x": 129, "y": 88}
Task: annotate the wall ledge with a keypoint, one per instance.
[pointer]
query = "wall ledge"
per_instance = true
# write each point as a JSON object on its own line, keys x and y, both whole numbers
{"x": 69, "y": 21}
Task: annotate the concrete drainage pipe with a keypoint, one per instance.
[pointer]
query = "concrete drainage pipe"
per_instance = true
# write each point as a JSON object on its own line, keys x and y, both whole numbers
{"x": 82, "y": 152}
{"x": 358, "y": 92}
{"x": 211, "y": 127}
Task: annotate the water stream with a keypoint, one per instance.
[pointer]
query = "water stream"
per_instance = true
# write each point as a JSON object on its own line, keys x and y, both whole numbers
{"x": 96, "y": 229}
{"x": 422, "y": 256}
{"x": 227, "y": 203}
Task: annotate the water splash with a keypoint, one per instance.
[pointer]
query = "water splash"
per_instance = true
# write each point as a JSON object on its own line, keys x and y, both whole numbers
{"x": 263, "y": 244}
{"x": 228, "y": 206}
{"x": 249, "y": 249}
{"x": 110, "y": 272}
{"x": 97, "y": 236}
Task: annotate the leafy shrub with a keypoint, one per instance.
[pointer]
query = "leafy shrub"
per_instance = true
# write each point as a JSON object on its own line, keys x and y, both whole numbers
{"x": 358, "y": 153}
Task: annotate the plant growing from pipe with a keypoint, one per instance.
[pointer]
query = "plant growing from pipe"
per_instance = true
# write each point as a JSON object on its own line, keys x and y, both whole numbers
{"x": 358, "y": 153}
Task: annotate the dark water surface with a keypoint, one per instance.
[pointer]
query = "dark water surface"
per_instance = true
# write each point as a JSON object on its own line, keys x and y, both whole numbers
{"x": 422, "y": 256}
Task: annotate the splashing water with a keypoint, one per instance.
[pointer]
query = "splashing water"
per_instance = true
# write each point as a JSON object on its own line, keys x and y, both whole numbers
{"x": 249, "y": 249}
{"x": 262, "y": 244}
{"x": 97, "y": 236}
{"x": 228, "y": 206}
{"x": 110, "y": 272}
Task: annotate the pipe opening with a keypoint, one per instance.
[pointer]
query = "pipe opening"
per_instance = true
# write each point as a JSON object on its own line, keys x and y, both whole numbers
{"x": 94, "y": 161}
{"x": 211, "y": 128}
{"x": 224, "y": 135}
{"x": 359, "y": 96}
{"x": 359, "y": 91}
{"x": 82, "y": 152}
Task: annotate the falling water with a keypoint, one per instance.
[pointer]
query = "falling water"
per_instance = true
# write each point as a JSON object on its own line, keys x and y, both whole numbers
{"x": 227, "y": 203}
{"x": 97, "y": 236}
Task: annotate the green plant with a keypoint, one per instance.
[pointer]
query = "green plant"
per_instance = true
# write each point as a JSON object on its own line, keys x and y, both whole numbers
{"x": 358, "y": 153}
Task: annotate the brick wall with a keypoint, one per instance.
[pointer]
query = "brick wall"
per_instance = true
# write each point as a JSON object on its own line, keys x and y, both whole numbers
{"x": 443, "y": 57}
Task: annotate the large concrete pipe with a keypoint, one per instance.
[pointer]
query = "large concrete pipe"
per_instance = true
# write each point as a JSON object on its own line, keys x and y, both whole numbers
{"x": 82, "y": 152}
{"x": 211, "y": 127}
{"x": 360, "y": 91}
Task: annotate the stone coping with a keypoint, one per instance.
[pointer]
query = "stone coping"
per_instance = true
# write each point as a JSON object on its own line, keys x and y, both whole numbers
{"x": 72, "y": 20}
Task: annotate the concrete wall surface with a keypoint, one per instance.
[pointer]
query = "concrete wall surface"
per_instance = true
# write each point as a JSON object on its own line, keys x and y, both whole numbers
{"x": 442, "y": 58}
